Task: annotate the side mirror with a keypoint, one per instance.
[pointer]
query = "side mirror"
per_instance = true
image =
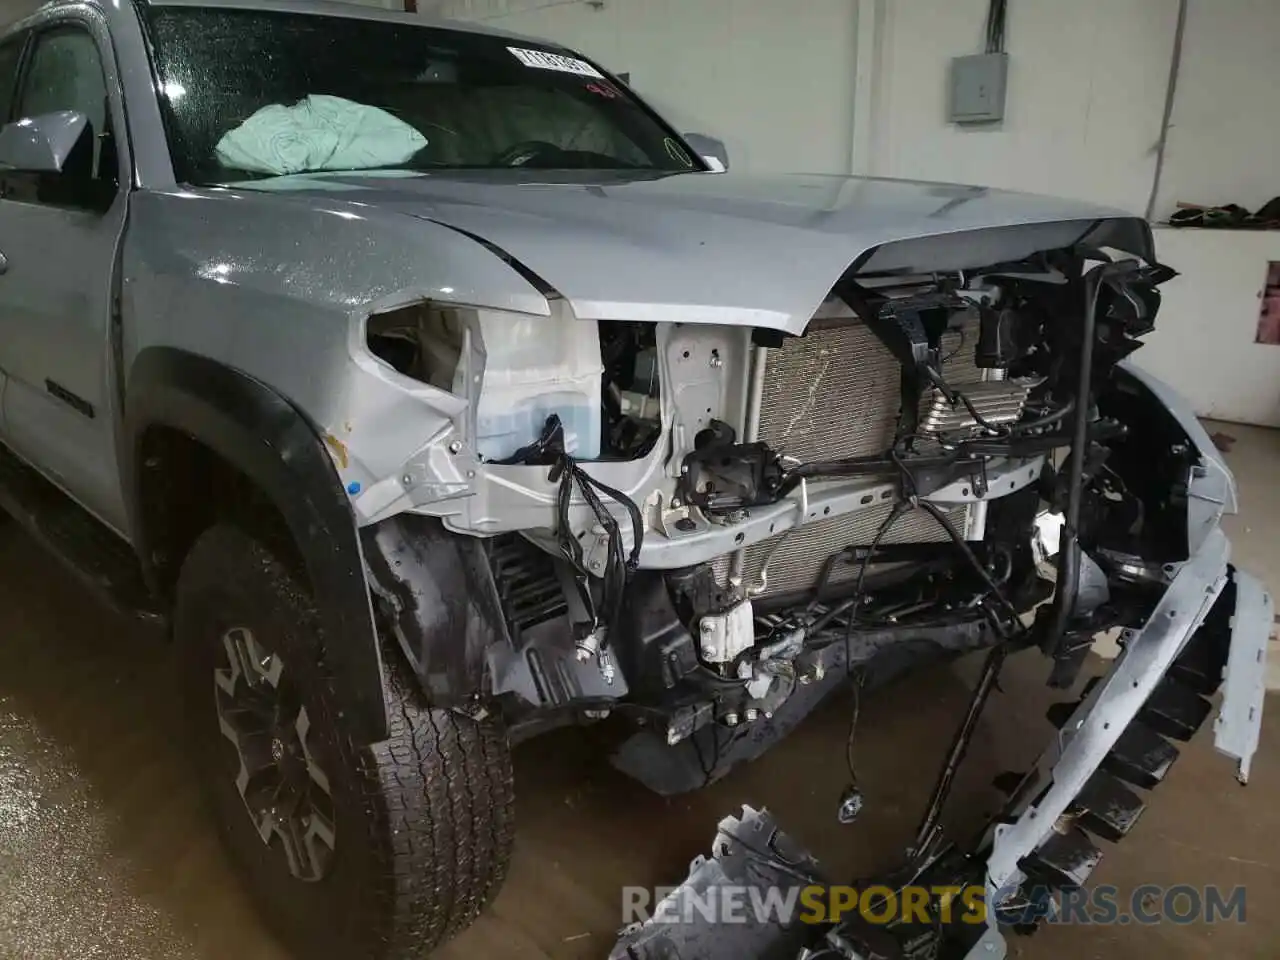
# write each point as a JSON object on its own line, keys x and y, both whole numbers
{"x": 41, "y": 144}
{"x": 711, "y": 150}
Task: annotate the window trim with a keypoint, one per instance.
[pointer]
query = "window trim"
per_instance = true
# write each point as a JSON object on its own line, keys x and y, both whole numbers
{"x": 23, "y": 38}
{"x": 145, "y": 13}
{"x": 95, "y": 29}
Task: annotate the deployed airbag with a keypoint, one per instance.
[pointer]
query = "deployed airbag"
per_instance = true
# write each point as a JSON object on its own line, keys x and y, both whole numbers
{"x": 319, "y": 133}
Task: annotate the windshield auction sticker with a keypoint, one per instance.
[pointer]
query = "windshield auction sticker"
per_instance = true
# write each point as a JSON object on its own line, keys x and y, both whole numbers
{"x": 541, "y": 60}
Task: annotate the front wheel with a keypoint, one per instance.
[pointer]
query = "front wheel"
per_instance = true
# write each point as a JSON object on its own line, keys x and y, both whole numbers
{"x": 378, "y": 852}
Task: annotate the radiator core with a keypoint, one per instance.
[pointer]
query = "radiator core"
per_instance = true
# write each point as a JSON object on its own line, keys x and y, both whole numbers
{"x": 831, "y": 394}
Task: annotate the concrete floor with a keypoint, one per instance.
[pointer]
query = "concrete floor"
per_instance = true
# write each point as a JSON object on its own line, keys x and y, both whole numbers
{"x": 105, "y": 852}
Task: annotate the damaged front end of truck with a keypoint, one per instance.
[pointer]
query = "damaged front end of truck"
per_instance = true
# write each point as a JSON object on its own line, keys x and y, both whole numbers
{"x": 707, "y": 520}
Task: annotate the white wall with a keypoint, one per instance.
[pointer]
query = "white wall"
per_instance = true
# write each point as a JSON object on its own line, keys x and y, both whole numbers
{"x": 1224, "y": 140}
{"x": 1087, "y": 82}
{"x": 1087, "y": 87}
{"x": 777, "y": 80}
{"x": 1203, "y": 343}
{"x": 774, "y": 79}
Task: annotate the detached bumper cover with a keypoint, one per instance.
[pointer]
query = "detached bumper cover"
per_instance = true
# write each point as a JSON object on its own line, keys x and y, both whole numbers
{"x": 1124, "y": 697}
{"x": 1210, "y": 628}
{"x": 1236, "y": 731}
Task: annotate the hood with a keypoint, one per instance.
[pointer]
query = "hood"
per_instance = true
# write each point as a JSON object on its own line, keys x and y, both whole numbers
{"x": 721, "y": 248}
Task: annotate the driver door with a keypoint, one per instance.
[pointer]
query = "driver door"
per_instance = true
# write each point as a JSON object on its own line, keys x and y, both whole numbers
{"x": 59, "y": 233}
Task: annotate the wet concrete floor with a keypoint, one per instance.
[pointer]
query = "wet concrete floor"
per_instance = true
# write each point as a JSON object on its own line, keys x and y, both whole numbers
{"x": 105, "y": 851}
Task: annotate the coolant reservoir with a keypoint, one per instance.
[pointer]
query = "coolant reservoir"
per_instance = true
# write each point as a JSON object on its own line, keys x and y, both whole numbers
{"x": 534, "y": 367}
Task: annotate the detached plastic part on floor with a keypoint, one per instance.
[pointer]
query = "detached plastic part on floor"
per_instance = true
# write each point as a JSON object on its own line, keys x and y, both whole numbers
{"x": 1208, "y": 630}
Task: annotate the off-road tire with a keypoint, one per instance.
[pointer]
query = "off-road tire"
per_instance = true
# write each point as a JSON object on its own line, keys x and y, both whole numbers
{"x": 423, "y": 820}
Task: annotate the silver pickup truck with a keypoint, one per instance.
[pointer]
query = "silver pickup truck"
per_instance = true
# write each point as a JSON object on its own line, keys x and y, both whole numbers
{"x": 431, "y": 391}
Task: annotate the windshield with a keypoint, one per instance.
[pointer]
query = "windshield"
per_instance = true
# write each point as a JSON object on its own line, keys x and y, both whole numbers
{"x": 249, "y": 94}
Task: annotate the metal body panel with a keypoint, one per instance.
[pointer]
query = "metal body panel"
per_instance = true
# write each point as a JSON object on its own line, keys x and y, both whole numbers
{"x": 242, "y": 323}
{"x": 829, "y": 500}
{"x": 277, "y": 278}
{"x": 60, "y": 406}
{"x": 287, "y": 306}
{"x": 291, "y": 312}
{"x": 61, "y": 402}
{"x": 350, "y": 11}
{"x": 255, "y": 430}
{"x": 704, "y": 248}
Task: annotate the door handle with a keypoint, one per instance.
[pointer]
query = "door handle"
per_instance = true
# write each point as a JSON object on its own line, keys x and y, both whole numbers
{"x": 4, "y": 264}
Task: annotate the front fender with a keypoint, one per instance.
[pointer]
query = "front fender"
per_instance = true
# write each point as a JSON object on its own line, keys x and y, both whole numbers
{"x": 279, "y": 286}
{"x": 1211, "y": 487}
{"x": 260, "y": 434}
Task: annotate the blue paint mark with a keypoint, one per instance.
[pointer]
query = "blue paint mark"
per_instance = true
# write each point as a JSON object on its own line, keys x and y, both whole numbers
{"x": 353, "y": 487}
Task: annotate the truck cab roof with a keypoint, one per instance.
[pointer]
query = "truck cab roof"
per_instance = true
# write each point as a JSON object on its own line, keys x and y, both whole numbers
{"x": 319, "y": 8}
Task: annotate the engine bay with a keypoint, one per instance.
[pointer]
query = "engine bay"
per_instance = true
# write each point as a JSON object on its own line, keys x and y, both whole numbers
{"x": 758, "y": 511}
{"x": 936, "y": 463}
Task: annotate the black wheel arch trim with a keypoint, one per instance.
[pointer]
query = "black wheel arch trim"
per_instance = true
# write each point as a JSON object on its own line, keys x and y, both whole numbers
{"x": 273, "y": 444}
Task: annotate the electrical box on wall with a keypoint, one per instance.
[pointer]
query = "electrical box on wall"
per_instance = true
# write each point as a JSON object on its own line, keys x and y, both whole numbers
{"x": 978, "y": 88}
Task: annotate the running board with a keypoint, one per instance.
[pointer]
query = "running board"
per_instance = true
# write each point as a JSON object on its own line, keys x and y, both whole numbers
{"x": 103, "y": 561}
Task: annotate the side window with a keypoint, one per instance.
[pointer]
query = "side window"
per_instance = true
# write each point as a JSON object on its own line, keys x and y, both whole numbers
{"x": 64, "y": 72}
{"x": 10, "y": 56}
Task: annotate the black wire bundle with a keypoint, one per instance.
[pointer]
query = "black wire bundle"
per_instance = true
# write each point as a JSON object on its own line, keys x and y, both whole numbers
{"x": 618, "y": 567}
{"x": 549, "y": 448}
{"x": 1006, "y": 629}
{"x": 997, "y": 13}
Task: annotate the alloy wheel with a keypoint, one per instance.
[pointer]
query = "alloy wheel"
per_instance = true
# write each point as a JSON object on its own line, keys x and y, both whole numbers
{"x": 286, "y": 793}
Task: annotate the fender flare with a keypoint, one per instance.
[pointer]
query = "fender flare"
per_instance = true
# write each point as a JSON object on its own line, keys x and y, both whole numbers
{"x": 272, "y": 443}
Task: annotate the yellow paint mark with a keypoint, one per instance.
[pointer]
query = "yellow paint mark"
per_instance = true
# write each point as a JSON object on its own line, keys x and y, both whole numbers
{"x": 339, "y": 449}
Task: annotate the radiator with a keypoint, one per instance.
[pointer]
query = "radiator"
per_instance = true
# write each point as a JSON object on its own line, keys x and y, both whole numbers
{"x": 831, "y": 394}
